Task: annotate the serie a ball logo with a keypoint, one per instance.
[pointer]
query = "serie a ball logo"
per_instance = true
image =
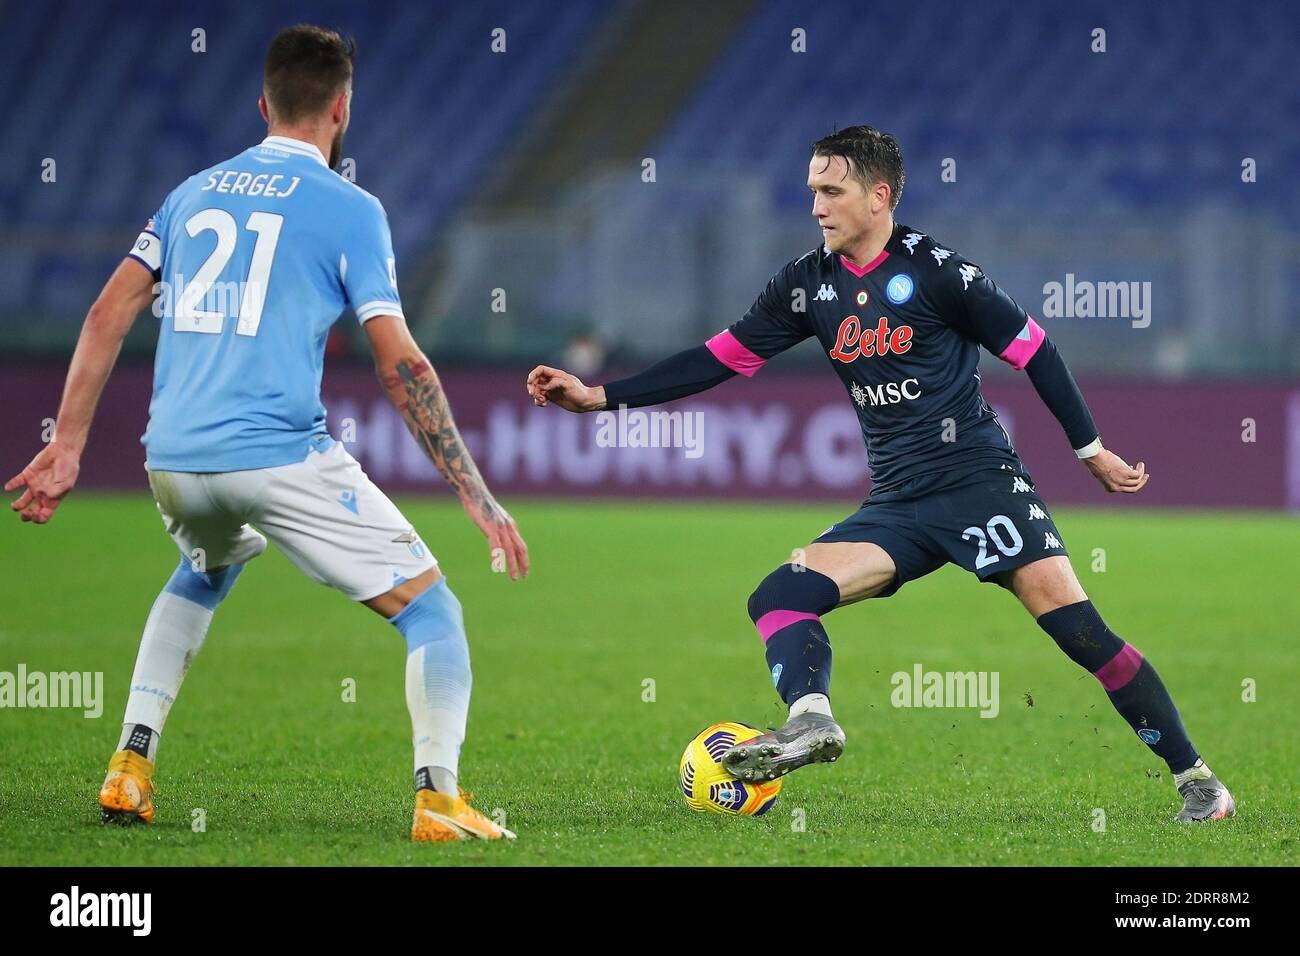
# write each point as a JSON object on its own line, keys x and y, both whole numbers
{"x": 709, "y": 787}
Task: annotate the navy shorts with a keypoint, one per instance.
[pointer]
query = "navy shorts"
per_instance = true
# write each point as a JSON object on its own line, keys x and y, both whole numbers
{"x": 987, "y": 522}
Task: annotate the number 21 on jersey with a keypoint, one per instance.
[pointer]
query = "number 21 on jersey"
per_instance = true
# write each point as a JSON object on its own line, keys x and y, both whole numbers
{"x": 250, "y": 294}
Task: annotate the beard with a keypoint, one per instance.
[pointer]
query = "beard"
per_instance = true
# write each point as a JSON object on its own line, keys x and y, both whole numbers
{"x": 336, "y": 150}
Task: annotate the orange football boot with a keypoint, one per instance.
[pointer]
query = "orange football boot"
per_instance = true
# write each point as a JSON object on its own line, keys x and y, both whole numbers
{"x": 442, "y": 818}
{"x": 127, "y": 793}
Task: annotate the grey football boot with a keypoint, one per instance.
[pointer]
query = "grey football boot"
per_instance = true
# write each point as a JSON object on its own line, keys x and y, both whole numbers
{"x": 808, "y": 738}
{"x": 1204, "y": 796}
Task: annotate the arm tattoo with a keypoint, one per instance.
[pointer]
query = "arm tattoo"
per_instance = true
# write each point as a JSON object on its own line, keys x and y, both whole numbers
{"x": 428, "y": 417}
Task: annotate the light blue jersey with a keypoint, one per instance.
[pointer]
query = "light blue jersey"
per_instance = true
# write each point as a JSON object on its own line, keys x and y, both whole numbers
{"x": 257, "y": 258}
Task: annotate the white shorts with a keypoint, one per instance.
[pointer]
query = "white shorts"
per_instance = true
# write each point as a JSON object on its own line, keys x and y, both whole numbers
{"x": 324, "y": 513}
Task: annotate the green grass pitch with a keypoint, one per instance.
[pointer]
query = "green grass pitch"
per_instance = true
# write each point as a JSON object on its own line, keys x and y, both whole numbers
{"x": 562, "y": 740}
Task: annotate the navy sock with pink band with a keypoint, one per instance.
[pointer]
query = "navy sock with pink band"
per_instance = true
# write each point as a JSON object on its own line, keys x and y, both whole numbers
{"x": 786, "y": 609}
{"x": 1130, "y": 681}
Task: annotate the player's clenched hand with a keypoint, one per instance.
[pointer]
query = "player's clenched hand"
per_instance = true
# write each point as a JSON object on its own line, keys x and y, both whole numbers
{"x": 1115, "y": 474}
{"x": 509, "y": 553}
{"x": 546, "y": 385}
{"x": 46, "y": 480}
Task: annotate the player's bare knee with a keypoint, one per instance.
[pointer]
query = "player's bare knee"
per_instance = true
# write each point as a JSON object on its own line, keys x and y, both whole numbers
{"x": 394, "y": 601}
{"x": 830, "y": 560}
{"x": 1045, "y": 585}
{"x": 860, "y": 569}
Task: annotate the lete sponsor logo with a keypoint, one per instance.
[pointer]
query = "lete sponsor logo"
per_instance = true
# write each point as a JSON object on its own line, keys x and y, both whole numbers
{"x": 852, "y": 341}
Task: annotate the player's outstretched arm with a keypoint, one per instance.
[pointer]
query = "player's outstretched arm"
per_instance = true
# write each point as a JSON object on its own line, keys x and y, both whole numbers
{"x": 53, "y": 472}
{"x": 769, "y": 327}
{"x": 1056, "y": 387}
{"x": 677, "y": 376}
{"x": 415, "y": 391}
{"x": 991, "y": 317}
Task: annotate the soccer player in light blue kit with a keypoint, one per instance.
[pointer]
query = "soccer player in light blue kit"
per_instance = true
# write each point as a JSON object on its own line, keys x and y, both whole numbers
{"x": 251, "y": 262}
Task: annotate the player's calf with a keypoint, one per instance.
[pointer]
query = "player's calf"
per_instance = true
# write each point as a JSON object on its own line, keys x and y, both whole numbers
{"x": 173, "y": 635}
{"x": 1140, "y": 697}
{"x": 786, "y": 610}
{"x": 438, "y": 682}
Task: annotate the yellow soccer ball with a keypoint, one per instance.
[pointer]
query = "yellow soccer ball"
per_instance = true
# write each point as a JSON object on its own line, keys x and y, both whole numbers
{"x": 708, "y": 787}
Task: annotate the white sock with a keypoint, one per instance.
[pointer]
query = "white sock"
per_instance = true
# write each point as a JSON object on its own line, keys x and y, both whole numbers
{"x": 444, "y": 781}
{"x": 172, "y": 637}
{"x": 437, "y": 695}
{"x": 817, "y": 703}
{"x": 1197, "y": 771}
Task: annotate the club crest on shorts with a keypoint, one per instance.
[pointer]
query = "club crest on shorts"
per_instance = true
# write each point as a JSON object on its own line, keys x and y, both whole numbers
{"x": 412, "y": 541}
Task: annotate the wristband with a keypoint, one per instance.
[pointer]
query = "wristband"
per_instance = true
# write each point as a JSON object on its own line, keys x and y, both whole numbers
{"x": 1089, "y": 450}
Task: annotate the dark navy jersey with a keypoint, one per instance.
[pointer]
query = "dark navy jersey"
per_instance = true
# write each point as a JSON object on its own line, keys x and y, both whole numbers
{"x": 903, "y": 334}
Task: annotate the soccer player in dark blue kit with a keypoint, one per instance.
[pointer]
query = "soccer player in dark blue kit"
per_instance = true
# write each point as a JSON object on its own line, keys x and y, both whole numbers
{"x": 901, "y": 318}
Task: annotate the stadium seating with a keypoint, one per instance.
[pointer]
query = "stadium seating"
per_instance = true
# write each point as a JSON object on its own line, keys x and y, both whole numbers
{"x": 1045, "y": 132}
{"x": 128, "y": 110}
{"x": 1164, "y": 116}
